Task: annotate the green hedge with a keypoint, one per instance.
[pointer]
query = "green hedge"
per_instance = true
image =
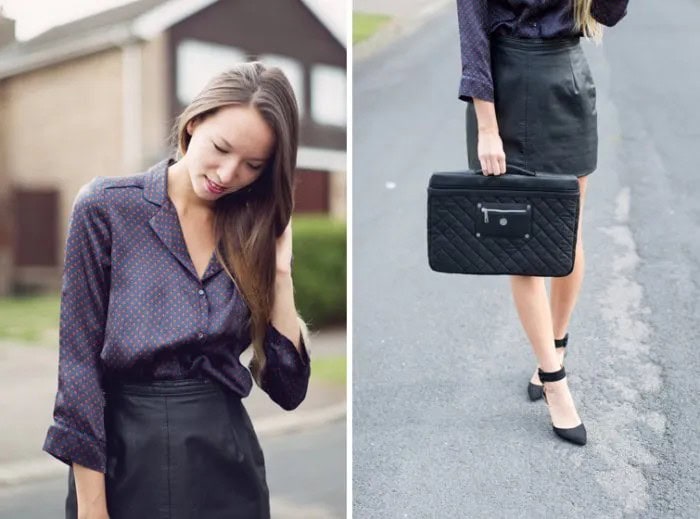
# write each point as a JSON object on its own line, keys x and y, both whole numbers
{"x": 319, "y": 269}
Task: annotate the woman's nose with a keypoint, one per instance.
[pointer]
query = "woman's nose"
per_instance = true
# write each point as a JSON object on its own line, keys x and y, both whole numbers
{"x": 227, "y": 171}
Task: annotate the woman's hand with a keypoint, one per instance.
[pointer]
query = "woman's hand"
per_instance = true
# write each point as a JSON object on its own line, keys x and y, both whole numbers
{"x": 284, "y": 250}
{"x": 490, "y": 147}
{"x": 491, "y": 154}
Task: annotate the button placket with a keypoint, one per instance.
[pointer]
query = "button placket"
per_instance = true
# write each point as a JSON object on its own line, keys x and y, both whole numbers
{"x": 203, "y": 315}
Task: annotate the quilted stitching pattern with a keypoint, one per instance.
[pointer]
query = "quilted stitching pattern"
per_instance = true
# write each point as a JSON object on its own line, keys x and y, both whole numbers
{"x": 453, "y": 246}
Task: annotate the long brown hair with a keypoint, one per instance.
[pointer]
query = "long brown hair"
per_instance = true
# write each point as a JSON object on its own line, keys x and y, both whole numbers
{"x": 584, "y": 21}
{"x": 247, "y": 223}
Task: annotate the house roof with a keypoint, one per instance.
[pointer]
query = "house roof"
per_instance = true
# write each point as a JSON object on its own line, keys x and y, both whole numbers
{"x": 136, "y": 21}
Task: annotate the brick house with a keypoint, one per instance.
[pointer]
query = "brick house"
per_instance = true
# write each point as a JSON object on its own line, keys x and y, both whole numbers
{"x": 98, "y": 96}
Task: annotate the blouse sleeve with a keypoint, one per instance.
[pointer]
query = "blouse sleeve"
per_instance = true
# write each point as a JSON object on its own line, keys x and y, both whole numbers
{"x": 78, "y": 434}
{"x": 476, "y": 53}
{"x": 286, "y": 375}
{"x": 609, "y": 12}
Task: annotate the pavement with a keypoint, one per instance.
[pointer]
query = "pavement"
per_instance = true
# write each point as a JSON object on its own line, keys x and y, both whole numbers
{"x": 28, "y": 377}
{"x": 406, "y": 17}
{"x": 442, "y": 426}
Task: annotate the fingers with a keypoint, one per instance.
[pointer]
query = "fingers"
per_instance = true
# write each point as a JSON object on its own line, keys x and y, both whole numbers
{"x": 491, "y": 154}
{"x": 493, "y": 164}
{"x": 502, "y": 163}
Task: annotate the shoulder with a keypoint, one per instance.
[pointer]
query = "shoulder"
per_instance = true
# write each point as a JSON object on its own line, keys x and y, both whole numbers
{"x": 89, "y": 196}
{"x": 105, "y": 193}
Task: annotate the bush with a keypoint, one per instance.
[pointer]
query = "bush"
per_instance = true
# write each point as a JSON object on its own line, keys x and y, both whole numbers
{"x": 319, "y": 269}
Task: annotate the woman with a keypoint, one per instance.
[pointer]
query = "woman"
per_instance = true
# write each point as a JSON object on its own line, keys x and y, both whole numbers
{"x": 169, "y": 276}
{"x": 531, "y": 101}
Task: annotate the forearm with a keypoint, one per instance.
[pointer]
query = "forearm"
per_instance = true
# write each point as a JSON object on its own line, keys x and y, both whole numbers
{"x": 284, "y": 313}
{"x": 90, "y": 491}
{"x": 486, "y": 116}
{"x": 286, "y": 374}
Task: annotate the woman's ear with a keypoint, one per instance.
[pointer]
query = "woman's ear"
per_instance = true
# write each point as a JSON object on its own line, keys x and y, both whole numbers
{"x": 189, "y": 127}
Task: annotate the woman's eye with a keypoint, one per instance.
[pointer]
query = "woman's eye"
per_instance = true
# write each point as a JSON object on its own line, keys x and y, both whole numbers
{"x": 217, "y": 148}
{"x": 256, "y": 167}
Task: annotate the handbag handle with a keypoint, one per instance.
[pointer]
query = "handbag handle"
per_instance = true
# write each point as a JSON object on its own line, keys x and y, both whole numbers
{"x": 513, "y": 169}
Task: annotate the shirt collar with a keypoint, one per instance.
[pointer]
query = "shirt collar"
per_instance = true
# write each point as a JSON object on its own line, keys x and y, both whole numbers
{"x": 166, "y": 219}
{"x": 156, "y": 186}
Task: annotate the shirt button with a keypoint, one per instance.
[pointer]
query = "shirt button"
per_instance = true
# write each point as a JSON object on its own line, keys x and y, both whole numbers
{"x": 201, "y": 292}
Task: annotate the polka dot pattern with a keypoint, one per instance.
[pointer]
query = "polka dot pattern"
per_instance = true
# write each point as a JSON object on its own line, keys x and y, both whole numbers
{"x": 133, "y": 308}
{"x": 478, "y": 19}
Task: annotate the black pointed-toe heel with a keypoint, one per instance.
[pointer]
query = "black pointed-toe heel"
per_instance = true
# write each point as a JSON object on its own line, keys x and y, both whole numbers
{"x": 534, "y": 392}
{"x": 576, "y": 434}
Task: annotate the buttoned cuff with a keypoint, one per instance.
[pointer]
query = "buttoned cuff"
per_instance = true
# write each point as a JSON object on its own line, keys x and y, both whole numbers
{"x": 70, "y": 446}
{"x": 469, "y": 88}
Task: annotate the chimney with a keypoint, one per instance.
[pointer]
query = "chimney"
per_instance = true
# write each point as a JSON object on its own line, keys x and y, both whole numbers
{"x": 7, "y": 30}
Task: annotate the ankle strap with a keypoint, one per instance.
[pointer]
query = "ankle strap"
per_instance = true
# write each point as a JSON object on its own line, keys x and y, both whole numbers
{"x": 551, "y": 376}
{"x": 561, "y": 343}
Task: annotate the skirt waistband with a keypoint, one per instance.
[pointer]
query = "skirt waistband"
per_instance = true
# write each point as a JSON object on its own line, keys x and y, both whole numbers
{"x": 513, "y": 42}
{"x": 156, "y": 388}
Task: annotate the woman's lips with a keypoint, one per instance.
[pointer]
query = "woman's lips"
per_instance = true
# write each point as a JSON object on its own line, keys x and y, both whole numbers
{"x": 213, "y": 187}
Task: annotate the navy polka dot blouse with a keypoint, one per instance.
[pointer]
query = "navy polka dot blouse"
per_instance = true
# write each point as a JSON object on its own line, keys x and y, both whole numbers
{"x": 478, "y": 19}
{"x": 133, "y": 308}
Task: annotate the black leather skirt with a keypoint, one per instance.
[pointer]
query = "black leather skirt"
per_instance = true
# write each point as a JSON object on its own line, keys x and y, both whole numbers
{"x": 545, "y": 101}
{"x": 180, "y": 449}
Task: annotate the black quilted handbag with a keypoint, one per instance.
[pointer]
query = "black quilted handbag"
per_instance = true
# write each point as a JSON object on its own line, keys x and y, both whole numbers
{"x": 521, "y": 223}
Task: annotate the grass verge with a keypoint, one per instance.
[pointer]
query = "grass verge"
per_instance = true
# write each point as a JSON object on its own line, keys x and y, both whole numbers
{"x": 29, "y": 319}
{"x": 330, "y": 369}
{"x": 364, "y": 25}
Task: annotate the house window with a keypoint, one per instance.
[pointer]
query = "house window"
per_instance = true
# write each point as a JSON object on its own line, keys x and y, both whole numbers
{"x": 328, "y": 95}
{"x": 197, "y": 62}
{"x": 294, "y": 72}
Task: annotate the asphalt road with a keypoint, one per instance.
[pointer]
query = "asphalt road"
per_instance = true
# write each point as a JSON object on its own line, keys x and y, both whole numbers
{"x": 306, "y": 477}
{"x": 441, "y": 422}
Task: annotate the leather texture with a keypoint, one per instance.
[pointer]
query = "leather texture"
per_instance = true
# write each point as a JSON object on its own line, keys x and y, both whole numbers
{"x": 179, "y": 449}
{"x": 545, "y": 101}
{"x": 531, "y": 229}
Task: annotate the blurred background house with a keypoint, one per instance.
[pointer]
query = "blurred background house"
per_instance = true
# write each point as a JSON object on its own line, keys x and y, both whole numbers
{"x": 98, "y": 97}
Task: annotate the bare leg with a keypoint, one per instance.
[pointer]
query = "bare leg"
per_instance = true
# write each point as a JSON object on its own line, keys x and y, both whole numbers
{"x": 530, "y": 297}
{"x": 565, "y": 290}
{"x": 542, "y": 323}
